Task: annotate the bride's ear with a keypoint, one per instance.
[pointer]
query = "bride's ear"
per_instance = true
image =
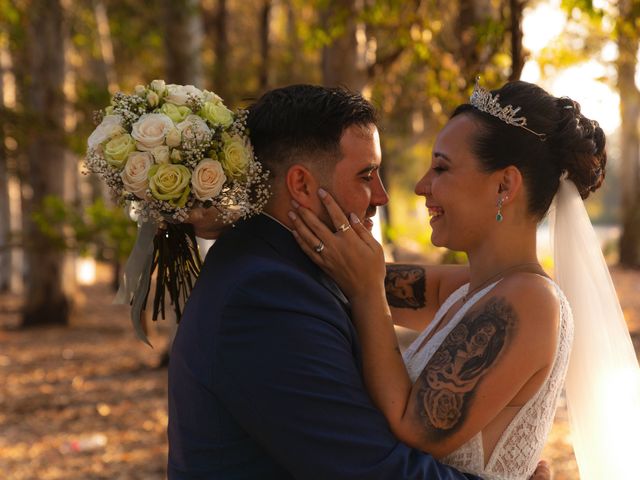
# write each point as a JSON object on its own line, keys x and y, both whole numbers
{"x": 302, "y": 185}
{"x": 510, "y": 183}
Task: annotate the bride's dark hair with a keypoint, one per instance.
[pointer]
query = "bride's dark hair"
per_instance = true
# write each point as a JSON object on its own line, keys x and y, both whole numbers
{"x": 573, "y": 143}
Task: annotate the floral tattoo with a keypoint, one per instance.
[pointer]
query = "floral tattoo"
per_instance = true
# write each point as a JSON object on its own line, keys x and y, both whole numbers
{"x": 449, "y": 381}
{"x": 405, "y": 286}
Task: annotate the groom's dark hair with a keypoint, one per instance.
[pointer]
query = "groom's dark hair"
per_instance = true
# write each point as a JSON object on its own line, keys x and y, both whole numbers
{"x": 304, "y": 124}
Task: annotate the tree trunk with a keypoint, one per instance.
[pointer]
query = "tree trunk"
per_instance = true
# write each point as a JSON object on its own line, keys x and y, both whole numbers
{"x": 183, "y": 41}
{"x": 46, "y": 302}
{"x": 630, "y": 138}
{"x": 106, "y": 45}
{"x": 517, "y": 53}
{"x": 265, "y": 16}
{"x": 221, "y": 49}
{"x": 344, "y": 60}
{"x": 5, "y": 214}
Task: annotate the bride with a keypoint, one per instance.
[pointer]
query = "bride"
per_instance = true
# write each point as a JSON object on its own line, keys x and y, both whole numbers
{"x": 478, "y": 387}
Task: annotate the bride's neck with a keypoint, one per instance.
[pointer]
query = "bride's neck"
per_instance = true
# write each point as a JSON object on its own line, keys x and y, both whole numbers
{"x": 507, "y": 252}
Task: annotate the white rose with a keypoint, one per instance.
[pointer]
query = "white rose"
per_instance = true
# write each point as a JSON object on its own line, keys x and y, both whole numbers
{"x": 153, "y": 99}
{"x": 207, "y": 179}
{"x": 161, "y": 154}
{"x": 179, "y": 94}
{"x": 194, "y": 128}
{"x": 174, "y": 137}
{"x": 110, "y": 127}
{"x": 158, "y": 86}
{"x": 135, "y": 175}
{"x": 150, "y": 130}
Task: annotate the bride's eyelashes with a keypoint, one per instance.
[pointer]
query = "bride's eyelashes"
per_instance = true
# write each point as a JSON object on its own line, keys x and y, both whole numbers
{"x": 450, "y": 380}
{"x": 405, "y": 286}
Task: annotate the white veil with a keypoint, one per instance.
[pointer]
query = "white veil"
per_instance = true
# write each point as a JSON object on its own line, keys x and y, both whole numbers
{"x": 603, "y": 380}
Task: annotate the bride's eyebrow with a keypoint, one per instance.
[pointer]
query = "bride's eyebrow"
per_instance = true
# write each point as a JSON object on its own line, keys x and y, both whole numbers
{"x": 442, "y": 156}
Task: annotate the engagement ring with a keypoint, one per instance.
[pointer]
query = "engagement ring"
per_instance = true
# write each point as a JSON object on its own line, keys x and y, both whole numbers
{"x": 343, "y": 228}
{"x": 318, "y": 248}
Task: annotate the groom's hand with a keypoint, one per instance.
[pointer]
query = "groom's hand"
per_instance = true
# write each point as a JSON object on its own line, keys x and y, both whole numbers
{"x": 207, "y": 222}
{"x": 542, "y": 471}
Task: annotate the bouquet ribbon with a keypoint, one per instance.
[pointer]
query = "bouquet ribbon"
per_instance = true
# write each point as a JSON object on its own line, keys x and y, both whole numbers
{"x": 135, "y": 283}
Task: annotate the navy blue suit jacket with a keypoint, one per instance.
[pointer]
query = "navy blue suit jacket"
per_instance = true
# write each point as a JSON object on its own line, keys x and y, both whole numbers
{"x": 264, "y": 377}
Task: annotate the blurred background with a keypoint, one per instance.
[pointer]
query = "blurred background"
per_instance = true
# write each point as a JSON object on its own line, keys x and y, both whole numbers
{"x": 80, "y": 398}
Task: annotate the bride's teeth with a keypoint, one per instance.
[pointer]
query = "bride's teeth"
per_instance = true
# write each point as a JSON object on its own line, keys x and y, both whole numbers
{"x": 435, "y": 211}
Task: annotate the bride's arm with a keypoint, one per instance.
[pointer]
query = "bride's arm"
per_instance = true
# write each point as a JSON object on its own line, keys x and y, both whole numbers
{"x": 498, "y": 350}
{"x": 415, "y": 292}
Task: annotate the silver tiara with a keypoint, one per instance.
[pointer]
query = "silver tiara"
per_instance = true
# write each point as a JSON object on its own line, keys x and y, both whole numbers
{"x": 482, "y": 99}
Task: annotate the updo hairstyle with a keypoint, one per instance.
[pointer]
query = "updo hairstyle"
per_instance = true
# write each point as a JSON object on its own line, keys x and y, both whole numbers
{"x": 572, "y": 143}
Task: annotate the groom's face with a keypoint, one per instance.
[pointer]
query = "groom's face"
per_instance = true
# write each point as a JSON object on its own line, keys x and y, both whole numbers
{"x": 356, "y": 183}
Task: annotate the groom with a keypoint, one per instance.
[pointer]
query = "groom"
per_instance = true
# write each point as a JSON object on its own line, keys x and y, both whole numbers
{"x": 264, "y": 378}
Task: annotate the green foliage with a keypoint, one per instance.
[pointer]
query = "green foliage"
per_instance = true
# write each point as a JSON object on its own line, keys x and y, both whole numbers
{"x": 100, "y": 228}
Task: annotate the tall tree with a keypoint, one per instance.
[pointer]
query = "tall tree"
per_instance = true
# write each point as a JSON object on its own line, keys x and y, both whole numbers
{"x": 627, "y": 28}
{"x": 343, "y": 59}
{"x": 517, "y": 53}
{"x": 5, "y": 214}
{"x": 265, "y": 23}
{"x": 183, "y": 41}
{"x": 46, "y": 302}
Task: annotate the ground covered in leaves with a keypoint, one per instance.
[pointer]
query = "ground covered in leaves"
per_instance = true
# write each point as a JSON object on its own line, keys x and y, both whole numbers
{"x": 89, "y": 402}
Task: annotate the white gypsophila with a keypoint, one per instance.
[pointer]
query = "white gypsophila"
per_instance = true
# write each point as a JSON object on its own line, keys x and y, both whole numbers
{"x": 110, "y": 126}
{"x": 150, "y": 130}
{"x": 207, "y": 179}
{"x": 135, "y": 175}
{"x": 194, "y": 130}
{"x": 179, "y": 94}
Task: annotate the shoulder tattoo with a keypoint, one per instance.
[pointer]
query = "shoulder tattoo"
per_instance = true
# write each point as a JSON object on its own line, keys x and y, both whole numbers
{"x": 448, "y": 383}
{"x": 405, "y": 286}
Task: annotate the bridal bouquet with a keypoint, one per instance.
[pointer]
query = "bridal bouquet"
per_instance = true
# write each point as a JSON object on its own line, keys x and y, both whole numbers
{"x": 162, "y": 151}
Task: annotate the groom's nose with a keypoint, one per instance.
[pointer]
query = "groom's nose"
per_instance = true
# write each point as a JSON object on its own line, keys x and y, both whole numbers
{"x": 379, "y": 194}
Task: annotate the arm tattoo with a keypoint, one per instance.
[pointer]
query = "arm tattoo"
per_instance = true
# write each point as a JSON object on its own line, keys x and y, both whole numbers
{"x": 405, "y": 286}
{"x": 448, "y": 382}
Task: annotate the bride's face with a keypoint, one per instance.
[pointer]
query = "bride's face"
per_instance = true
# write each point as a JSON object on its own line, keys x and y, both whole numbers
{"x": 460, "y": 196}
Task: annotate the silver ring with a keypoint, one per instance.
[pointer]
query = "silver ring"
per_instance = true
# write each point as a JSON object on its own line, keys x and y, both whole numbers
{"x": 343, "y": 228}
{"x": 319, "y": 248}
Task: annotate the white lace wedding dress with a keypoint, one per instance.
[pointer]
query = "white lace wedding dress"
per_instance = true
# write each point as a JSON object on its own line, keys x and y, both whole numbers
{"x": 518, "y": 450}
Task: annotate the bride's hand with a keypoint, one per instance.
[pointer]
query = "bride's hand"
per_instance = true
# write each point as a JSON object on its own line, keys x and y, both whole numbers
{"x": 349, "y": 253}
{"x": 207, "y": 222}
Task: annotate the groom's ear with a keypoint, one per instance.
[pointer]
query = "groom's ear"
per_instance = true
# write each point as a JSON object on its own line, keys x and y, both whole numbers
{"x": 302, "y": 185}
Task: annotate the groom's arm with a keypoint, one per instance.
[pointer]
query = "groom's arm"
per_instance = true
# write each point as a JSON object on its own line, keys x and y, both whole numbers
{"x": 286, "y": 372}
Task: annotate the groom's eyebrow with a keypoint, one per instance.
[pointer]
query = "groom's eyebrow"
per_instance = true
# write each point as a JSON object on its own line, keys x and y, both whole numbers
{"x": 371, "y": 168}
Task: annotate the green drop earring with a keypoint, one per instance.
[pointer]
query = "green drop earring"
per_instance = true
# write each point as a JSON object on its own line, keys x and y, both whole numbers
{"x": 499, "y": 216}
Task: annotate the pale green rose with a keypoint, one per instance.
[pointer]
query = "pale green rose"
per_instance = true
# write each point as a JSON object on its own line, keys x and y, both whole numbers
{"x": 170, "y": 183}
{"x": 159, "y": 87}
{"x": 152, "y": 98}
{"x": 161, "y": 154}
{"x": 176, "y": 156}
{"x": 208, "y": 96}
{"x": 217, "y": 114}
{"x": 135, "y": 175}
{"x": 208, "y": 179}
{"x": 108, "y": 110}
{"x": 175, "y": 112}
{"x": 118, "y": 148}
{"x": 236, "y": 157}
{"x": 174, "y": 138}
{"x": 139, "y": 90}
